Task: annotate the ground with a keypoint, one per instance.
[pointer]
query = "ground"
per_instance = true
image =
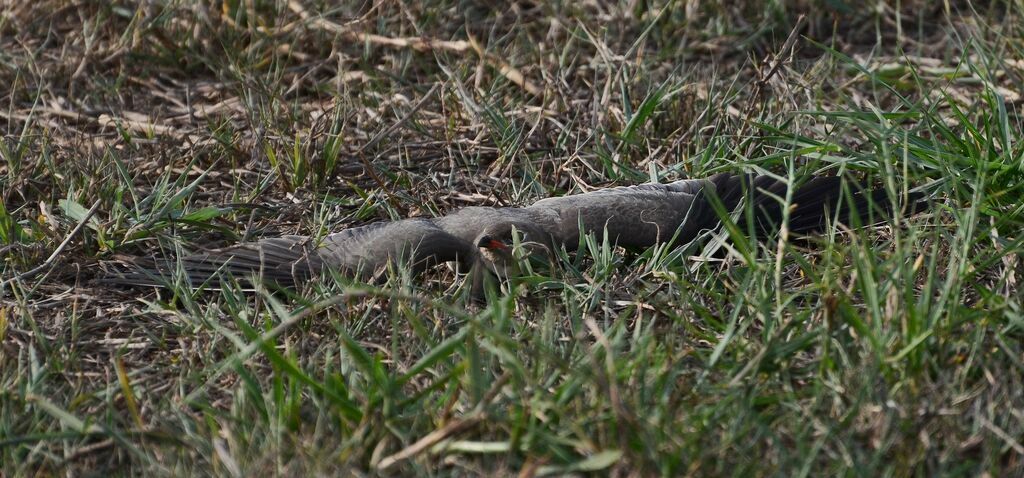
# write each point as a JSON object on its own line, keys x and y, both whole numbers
{"x": 140, "y": 128}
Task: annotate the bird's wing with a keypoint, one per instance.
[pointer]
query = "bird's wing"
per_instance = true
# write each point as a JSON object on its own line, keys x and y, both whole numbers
{"x": 420, "y": 242}
{"x": 287, "y": 260}
{"x": 635, "y": 216}
{"x": 814, "y": 202}
{"x": 648, "y": 214}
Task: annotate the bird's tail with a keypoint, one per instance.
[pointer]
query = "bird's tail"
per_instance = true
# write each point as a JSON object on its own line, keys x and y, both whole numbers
{"x": 813, "y": 205}
{"x": 281, "y": 260}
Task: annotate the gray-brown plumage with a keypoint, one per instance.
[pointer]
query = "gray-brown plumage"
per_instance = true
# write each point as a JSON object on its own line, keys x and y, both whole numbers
{"x": 288, "y": 260}
{"x": 634, "y": 216}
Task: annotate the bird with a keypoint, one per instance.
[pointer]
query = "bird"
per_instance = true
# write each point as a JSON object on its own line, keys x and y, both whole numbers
{"x": 480, "y": 238}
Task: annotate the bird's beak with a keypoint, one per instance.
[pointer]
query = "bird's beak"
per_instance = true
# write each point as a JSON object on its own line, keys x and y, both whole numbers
{"x": 495, "y": 244}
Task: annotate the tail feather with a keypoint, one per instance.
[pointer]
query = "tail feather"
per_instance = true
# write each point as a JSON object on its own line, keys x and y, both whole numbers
{"x": 284, "y": 261}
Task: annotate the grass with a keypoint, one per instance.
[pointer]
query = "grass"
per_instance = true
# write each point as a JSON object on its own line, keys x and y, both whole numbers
{"x": 889, "y": 350}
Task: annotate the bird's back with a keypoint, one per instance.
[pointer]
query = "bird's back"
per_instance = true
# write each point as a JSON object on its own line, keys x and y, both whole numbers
{"x": 635, "y": 216}
{"x": 469, "y": 222}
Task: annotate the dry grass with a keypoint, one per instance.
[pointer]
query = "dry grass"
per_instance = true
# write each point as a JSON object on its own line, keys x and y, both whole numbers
{"x": 893, "y": 350}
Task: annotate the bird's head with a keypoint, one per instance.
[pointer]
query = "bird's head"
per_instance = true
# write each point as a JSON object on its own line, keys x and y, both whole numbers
{"x": 504, "y": 244}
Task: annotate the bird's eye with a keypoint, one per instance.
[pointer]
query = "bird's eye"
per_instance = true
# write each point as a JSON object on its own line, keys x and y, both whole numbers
{"x": 517, "y": 232}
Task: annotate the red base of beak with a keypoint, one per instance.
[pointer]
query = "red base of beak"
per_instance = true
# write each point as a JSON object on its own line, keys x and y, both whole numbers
{"x": 496, "y": 244}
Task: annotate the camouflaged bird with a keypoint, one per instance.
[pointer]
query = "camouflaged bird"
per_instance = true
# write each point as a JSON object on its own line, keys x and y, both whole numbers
{"x": 481, "y": 237}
